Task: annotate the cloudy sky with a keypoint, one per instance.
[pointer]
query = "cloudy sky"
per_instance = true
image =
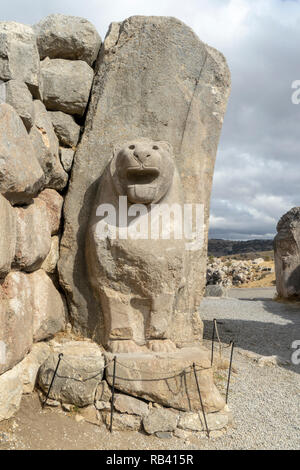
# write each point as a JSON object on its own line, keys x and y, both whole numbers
{"x": 258, "y": 165}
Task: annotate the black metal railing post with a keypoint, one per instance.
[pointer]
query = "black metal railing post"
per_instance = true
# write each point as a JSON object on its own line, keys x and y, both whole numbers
{"x": 213, "y": 342}
{"x": 200, "y": 397}
{"x": 229, "y": 371}
{"x": 113, "y": 395}
{"x": 60, "y": 356}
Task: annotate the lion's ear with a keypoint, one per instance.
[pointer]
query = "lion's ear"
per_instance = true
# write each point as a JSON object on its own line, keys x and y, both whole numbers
{"x": 117, "y": 149}
{"x": 166, "y": 146}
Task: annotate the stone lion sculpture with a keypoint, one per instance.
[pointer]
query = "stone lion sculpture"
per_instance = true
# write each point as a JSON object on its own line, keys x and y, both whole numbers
{"x": 137, "y": 276}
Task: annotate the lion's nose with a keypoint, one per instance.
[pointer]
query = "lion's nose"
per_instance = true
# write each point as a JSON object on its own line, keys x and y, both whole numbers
{"x": 142, "y": 156}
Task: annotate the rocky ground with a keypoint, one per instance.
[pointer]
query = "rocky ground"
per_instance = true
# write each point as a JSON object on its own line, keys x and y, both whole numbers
{"x": 264, "y": 393}
{"x": 228, "y": 272}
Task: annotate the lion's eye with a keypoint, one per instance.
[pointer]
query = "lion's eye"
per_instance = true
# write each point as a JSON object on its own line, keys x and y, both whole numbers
{"x": 132, "y": 147}
{"x": 155, "y": 147}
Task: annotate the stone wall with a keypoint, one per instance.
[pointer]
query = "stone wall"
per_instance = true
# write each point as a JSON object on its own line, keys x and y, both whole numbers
{"x": 46, "y": 74}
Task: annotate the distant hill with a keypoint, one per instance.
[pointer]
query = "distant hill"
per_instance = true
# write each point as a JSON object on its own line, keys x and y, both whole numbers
{"x": 219, "y": 247}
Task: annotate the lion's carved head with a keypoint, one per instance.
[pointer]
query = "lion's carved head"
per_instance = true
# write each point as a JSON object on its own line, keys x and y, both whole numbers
{"x": 143, "y": 170}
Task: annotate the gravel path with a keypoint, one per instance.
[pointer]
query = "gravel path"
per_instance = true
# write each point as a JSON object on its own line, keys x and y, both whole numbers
{"x": 265, "y": 400}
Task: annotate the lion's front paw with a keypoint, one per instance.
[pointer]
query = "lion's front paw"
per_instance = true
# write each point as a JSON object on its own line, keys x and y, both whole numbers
{"x": 161, "y": 345}
{"x": 124, "y": 346}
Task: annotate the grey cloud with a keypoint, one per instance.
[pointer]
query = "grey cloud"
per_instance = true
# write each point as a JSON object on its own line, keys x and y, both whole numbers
{"x": 258, "y": 165}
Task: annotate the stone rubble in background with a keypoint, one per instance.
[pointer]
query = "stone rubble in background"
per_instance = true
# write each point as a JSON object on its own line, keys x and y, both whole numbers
{"x": 234, "y": 272}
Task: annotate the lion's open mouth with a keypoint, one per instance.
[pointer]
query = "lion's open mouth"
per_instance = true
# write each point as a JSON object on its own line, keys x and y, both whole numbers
{"x": 142, "y": 176}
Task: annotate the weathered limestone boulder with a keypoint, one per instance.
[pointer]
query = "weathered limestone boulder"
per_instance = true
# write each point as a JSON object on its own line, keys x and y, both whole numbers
{"x": 7, "y": 236}
{"x": 16, "y": 318}
{"x": 67, "y": 37}
{"x": 65, "y": 128}
{"x": 33, "y": 240}
{"x": 49, "y": 315}
{"x": 19, "y": 57}
{"x": 50, "y": 263}
{"x": 103, "y": 393}
{"x": 46, "y": 148}
{"x": 180, "y": 98}
{"x": 287, "y": 254}
{"x": 54, "y": 203}
{"x": 195, "y": 421}
{"x": 137, "y": 374}
{"x": 58, "y": 95}
{"x": 20, "y": 98}
{"x": 103, "y": 405}
{"x": 21, "y": 176}
{"x": 130, "y": 405}
{"x": 216, "y": 291}
{"x": 11, "y": 390}
{"x": 67, "y": 157}
{"x": 90, "y": 414}
{"x": 20, "y": 380}
{"x": 29, "y": 367}
{"x": 122, "y": 421}
{"x": 31, "y": 309}
{"x": 160, "y": 420}
{"x": 79, "y": 374}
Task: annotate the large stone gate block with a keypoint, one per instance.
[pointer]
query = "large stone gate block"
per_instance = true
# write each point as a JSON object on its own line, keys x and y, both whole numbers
{"x": 154, "y": 79}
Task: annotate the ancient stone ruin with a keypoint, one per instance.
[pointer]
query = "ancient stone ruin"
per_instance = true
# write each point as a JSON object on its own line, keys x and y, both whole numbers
{"x": 287, "y": 254}
{"x": 129, "y": 125}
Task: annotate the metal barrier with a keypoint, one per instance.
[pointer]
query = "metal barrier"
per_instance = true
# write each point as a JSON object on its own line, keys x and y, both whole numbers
{"x": 173, "y": 374}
